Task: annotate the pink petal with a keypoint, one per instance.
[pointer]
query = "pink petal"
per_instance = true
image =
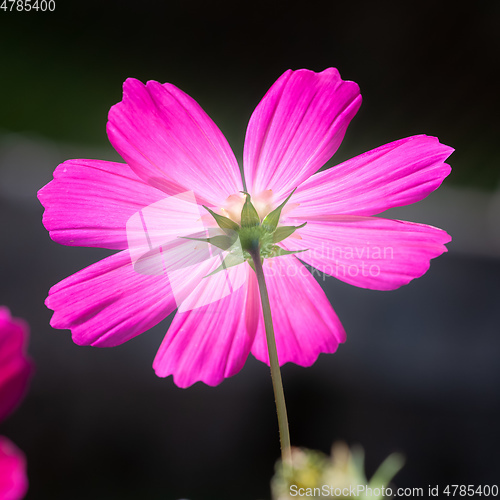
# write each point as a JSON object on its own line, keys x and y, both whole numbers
{"x": 162, "y": 228}
{"x": 160, "y": 238}
{"x": 369, "y": 252}
{"x": 305, "y": 323}
{"x": 211, "y": 342}
{"x": 15, "y": 367}
{"x": 13, "y": 477}
{"x": 296, "y": 128}
{"x": 393, "y": 175}
{"x": 208, "y": 287}
{"x": 89, "y": 203}
{"x": 109, "y": 303}
{"x": 123, "y": 295}
{"x": 171, "y": 143}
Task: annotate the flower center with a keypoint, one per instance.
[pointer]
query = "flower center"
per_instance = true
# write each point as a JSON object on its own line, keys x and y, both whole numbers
{"x": 263, "y": 203}
{"x": 249, "y": 229}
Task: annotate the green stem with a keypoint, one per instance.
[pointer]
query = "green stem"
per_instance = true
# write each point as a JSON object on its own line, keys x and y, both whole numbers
{"x": 279, "y": 395}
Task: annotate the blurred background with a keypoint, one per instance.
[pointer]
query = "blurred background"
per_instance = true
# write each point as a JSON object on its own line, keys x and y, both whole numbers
{"x": 419, "y": 373}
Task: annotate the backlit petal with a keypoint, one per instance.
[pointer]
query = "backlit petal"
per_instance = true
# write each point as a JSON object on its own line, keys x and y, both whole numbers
{"x": 305, "y": 323}
{"x": 296, "y": 128}
{"x": 171, "y": 143}
{"x": 369, "y": 252}
{"x": 109, "y": 303}
{"x": 89, "y": 202}
{"x": 210, "y": 342}
{"x": 392, "y": 175}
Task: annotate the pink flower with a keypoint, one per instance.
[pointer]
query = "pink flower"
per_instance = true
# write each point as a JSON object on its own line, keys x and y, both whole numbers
{"x": 178, "y": 160}
{"x": 15, "y": 370}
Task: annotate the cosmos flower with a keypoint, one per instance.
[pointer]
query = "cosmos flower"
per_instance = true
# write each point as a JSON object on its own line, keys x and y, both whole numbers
{"x": 15, "y": 370}
{"x": 176, "y": 210}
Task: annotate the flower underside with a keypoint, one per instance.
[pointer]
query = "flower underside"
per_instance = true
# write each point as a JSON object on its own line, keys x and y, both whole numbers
{"x": 252, "y": 236}
{"x": 176, "y": 160}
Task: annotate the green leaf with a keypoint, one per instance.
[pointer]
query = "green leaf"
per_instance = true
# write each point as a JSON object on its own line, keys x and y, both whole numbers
{"x": 226, "y": 224}
{"x": 387, "y": 470}
{"x": 284, "y": 232}
{"x": 230, "y": 261}
{"x": 270, "y": 222}
{"x": 220, "y": 241}
{"x": 249, "y": 216}
{"x": 279, "y": 252}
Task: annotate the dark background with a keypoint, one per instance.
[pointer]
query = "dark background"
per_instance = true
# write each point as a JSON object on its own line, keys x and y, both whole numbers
{"x": 419, "y": 373}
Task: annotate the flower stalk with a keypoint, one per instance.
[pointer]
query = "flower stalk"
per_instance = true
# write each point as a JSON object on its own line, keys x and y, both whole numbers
{"x": 279, "y": 395}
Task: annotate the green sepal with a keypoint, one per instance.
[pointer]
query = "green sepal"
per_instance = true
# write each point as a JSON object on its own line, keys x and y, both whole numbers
{"x": 249, "y": 216}
{"x": 226, "y": 224}
{"x": 284, "y": 232}
{"x": 250, "y": 237}
{"x": 229, "y": 261}
{"x": 270, "y": 222}
{"x": 221, "y": 241}
{"x": 279, "y": 252}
